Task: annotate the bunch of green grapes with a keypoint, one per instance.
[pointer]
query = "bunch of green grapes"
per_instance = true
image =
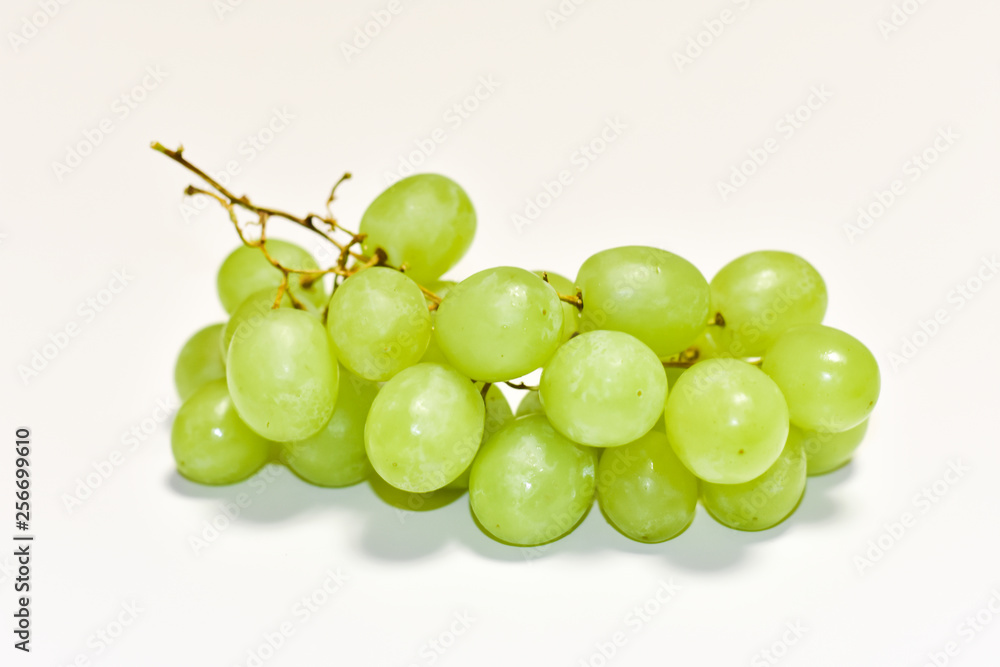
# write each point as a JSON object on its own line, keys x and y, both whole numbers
{"x": 658, "y": 388}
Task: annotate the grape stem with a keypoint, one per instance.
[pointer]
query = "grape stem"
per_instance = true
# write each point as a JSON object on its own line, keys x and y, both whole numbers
{"x": 326, "y": 226}
{"x": 521, "y": 385}
{"x": 575, "y": 299}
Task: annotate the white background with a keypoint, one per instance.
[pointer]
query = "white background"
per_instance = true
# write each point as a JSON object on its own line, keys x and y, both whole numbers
{"x": 224, "y": 73}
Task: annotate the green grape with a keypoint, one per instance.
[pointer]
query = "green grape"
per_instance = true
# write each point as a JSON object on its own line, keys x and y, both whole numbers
{"x": 211, "y": 445}
{"x": 726, "y": 420}
{"x": 654, "y": 295}
{"x": 571, "y": 314}
{"x": 425, "y": 222}
{"x": 336, "y": 455}
{"x": 283, "y": 376}
{"x": 825, "y": 452}
{"x": 200, "y": 361}
{"x": 765, "y": 501}
{"x": 529, "y": 484}
{"x": 433, "y": 353}
{"x": 247, "y": 271}
{"x": 250, "y": 314}
{"x": 440, "y": 287}
{"x": 714, "y": 342}
{"x": 498, "y": 414}
{"x": 424, "y": 427}
{"x": 379, "y": 323}
{"x": 645, "y": 491}
{"x": 603, "y": 388}
{"x": 830, "y": 379}
{"x": 499, "y": 324}
{"x": 764, "y": 293}
{"x": 531, "y": 404}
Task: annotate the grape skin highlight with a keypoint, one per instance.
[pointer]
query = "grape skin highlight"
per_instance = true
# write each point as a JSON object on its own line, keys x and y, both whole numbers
{"x": 379, "y": 323}
{"x": 831, "y": 380}
{"x": 530, "y": 485}
{"x": 726, "y": 420}
{"x": 424, "y": 427}
{"x": 645, "y": 491}
{"x": 654, "y": 295}
{"x": 499, "y": 324}
{"x": 283, "y": 376}
{"x": 424, "y": 222}
{"x": 210, "y": 443}
{"x": 603, "y": 388}
{"x": 763, "y": 294}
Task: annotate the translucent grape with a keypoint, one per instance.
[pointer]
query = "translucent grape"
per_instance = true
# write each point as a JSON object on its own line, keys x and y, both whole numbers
{"x": 825, "y": 452}
{"x": 424, "y": 427}
{"x": 529, "y": 484}
{"x": 200, "y": 361}
{"x": 379, "y": 323}
{"x": 654, "y": 295}
{"x": 283, "y": 376}
{"x": 211, "y": 445}
{"x": 571, "y": 314}
{"x": 531, "y": 404}
{"x": 498, "y": 414}
{"x": 714, "y": 342}
{"x": 830, "y": 379}
{"x": 425, "y": 222}
{"x": 249, "y": 314}
{"x": 247, "y": 271}
{"x": 764, "y": 293}
{"x": 336, "y": 455}
{"x": 603, "y": 388}
{"x": 645, "y": 491}
{"x": 726, "y": 421}
{"x": 765, "y": 501}
{"x": 499, "y": 324}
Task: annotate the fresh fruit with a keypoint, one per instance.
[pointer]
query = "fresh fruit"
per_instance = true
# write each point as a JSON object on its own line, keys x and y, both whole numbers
{"x": 603, "y": 388}
{"x": 199, "y": 361}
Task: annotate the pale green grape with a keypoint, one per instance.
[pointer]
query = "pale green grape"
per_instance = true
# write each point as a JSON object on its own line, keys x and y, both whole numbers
{"x": 726, "y": 421}
{"x": 571, "y": 314}
{"x": 498, "y": 414}
{"x": 531, "y": 404}
{"x": 200, "y": 361}
{"x": 830, "y": 379}
{"x": 654, "y": 295}
{"x": 765, "y": 501}
{"x": 499, "y": 324}
{"x": 379, "y": 323}
{"x": 645, "y": 491}
{"x": 529, "y": 484}
{"x": 433, "y": 353}
{"x": 283, "y": 376}
{"x": 425, "y": 222}
{"x": 413, "y": 502}
{"x": 247, "y": 271}
{"x": 826, "y": 452}
{"x": 603, "y": 388}
{"x": 764, "y": 293}
{"x": 424, "y": 427}
{"x": 440, "y": 287}
{"x": 211, "y": 445}
{"x": 249, "y": 314}
{"x": 714, "y": 342}
{"x": 336, "y": 455}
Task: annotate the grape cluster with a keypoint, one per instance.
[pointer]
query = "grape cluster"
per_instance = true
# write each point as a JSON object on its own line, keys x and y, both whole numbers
{"x": 657, "y": 387}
